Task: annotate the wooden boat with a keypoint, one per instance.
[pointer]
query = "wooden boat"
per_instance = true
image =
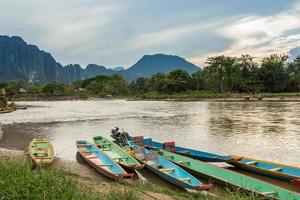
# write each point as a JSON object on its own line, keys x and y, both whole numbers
{"x": 21, "y": 107}
{"x": 276, "y": 170}
{"x": 41, "y": 152}
{"x": 1, "y": 133}
{"x": 170, "y": 146}
{"x": 166, "y": 169}
{"x": 101, "y": 162}
{"x": 116, "y": 153}
{"x": 229, "y": 178}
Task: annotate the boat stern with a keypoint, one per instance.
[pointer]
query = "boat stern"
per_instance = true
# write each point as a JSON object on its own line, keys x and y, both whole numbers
{"x": 204, "y": 187}
{"x": 127, "y": 176}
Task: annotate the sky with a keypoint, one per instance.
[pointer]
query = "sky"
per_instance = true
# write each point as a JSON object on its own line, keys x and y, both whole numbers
{"x": 118, "y": 33}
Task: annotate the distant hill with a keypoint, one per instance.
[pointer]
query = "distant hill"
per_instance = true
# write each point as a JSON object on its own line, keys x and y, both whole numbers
{"x": 22, "y": 61}
{"x": 158, "y": 63}
{"x": 118, "y": 68}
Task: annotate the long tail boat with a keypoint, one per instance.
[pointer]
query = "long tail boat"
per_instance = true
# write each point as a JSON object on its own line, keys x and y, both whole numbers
{"x": 170, "y": 146}
{"x": 276, "y": 170}
{"x": 101, "y": 162}
{"x": 166, "y": 169}
{"x": 41, "y": 152}
{"x": 229, "y": 178}
{"x": 116, "y": 153}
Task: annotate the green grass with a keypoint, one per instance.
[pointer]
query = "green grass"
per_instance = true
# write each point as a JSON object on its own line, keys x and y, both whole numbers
{"x": 229, "y": 194}
{"x": 18, "y": 181}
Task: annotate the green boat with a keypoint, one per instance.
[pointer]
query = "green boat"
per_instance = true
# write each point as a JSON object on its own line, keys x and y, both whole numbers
{"x": 229, "y": 178}
{"x": 116, "y": 153}
{"x": 41, "y": 152}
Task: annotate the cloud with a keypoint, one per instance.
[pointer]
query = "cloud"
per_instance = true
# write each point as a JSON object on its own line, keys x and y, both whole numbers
{"x": 118, "y": 33}
{"x": 259, "y": 35}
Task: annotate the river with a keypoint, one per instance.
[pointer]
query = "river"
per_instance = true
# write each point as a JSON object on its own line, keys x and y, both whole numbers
{"x": 264, "y": 130}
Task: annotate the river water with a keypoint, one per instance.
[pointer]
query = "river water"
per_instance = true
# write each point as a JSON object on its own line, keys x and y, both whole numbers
{"x": 264, "y": 130}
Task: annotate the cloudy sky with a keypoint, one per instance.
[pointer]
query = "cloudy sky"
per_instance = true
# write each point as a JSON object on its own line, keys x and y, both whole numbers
{"x": 118, "y": 32}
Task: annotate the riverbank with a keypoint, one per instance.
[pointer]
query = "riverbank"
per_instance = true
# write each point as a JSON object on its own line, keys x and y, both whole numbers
{"x": 231, "y": 97}
{"x": 187, "y": 96}
{"x": 74, "y": 181}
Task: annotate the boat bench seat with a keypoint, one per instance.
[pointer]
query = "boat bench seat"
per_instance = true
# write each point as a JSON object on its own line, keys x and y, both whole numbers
{"x": 169, "y": 157}
{"x": 105, "y": 165}
{"x": 276, "y": 169}
{"x": 268, "y": 193}
{"x": 251, "y": 162}
{"x": 167, "y": 169}
{"x": 82, "y": 145}
{"x": 92, "y": 156}
{"x": 184, "y": 151}
{"x": 185, "y": 179}
{"x": 183, "y": 162}
{"x": 86, "y": 153}
{"x": 120, "y": 158}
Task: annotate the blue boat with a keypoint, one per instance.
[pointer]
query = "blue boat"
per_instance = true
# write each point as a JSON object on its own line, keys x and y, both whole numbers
{"x": 275, "y": 170}
{"x": 101, "y": 162}
{"x": 165, "y": 168}
{"x": 170, "y": 146}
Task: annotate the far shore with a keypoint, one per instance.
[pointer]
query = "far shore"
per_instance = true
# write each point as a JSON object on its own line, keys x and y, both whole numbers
{"x": 210, "y": 97}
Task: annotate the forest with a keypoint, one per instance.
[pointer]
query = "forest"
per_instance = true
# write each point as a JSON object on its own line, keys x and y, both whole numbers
{"x": 222, "y": 74}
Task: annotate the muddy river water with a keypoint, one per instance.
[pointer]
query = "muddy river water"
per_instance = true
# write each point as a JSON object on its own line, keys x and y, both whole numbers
{"x": 264, "y": 130}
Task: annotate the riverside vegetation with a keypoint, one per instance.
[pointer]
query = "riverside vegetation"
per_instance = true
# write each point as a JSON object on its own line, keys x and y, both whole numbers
{"x": 19, "y": 181}
{"x": 223, "y": 76}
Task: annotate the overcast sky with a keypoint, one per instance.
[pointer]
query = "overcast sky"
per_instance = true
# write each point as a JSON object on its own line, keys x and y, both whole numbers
{"x": 118, "y": 33}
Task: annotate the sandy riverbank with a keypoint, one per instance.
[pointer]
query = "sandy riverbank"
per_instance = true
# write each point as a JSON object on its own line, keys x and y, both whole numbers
{"x": 88, "y": 176}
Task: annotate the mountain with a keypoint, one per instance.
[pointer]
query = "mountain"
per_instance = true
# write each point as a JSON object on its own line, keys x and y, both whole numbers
{"x": 22, "y": 61}
{"x": 293, "y": 53}
{"x": 158, "y": 63}
{"x": 118, "y": 69}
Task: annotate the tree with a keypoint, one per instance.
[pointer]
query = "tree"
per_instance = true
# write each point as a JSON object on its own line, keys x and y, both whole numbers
{"x": 139, "y": 86}
{"x": 293, "y": 69}
{"x": 272, "y": 73}
{"x": 154, "y": 82}
{"x": 221, "y": 73}
{"x": 177, "y": 81}
{"x": 53, "y": 89}
{"x": 198, "y": 80}
{"x": 248, "y": 72}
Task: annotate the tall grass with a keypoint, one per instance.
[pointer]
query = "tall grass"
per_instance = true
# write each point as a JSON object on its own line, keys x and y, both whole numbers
{"x": 18, "y": 181}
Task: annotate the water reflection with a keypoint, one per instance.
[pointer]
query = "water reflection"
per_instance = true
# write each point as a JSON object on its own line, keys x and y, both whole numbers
{"x": 263, "y": 130}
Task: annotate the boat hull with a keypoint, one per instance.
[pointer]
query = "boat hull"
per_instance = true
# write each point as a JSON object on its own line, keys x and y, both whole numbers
{"x": 116, "y": 153}
{"x": 101, "y": 170}
{"x": 227, "y": 177}
{"x": 286, "y": 172}
{"x": 196, "y": 154}
{"x": 101, "y": 162}
{"x": 170, "y": 172}
{"x": 41, "y": 152}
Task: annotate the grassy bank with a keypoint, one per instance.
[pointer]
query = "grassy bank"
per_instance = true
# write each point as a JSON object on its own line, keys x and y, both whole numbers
{"x": 189, "y": 96}
{"x": 202, "y": 95}
{"x": 19, "y": 181}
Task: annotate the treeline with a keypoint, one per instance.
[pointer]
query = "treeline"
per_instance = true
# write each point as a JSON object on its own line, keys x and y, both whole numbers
{"x": 228, "y": 74}
{"x": 222, "y": 74}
